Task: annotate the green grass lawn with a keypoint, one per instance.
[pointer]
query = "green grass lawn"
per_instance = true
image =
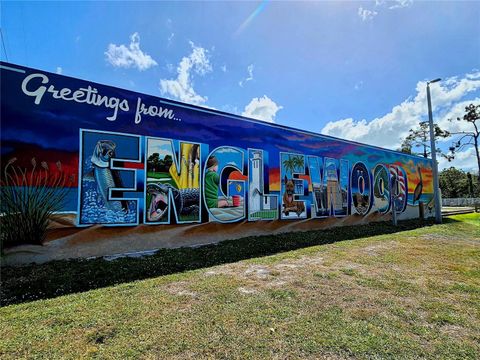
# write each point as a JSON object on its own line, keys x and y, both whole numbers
{"x": 158, "y": 175}
{"x": 406, "y": 294}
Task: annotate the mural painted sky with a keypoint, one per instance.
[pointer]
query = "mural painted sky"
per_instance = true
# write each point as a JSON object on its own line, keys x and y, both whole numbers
{"x": 356, "y": 70}
{"x": 143, "y": 159}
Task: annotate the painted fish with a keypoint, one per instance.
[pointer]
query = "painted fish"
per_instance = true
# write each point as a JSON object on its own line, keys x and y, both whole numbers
{"x": 104, "y": 176}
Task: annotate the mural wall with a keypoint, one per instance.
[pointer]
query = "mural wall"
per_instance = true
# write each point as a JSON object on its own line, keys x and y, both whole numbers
{"x": 140, "y": 160}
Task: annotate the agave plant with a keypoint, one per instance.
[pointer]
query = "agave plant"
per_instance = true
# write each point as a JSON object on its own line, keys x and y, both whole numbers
{"x": 29, "y": 200}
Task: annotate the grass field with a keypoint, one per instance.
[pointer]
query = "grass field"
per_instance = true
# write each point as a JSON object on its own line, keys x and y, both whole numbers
{"x": 158, "y": 175}
{"x": 407, "y": 294}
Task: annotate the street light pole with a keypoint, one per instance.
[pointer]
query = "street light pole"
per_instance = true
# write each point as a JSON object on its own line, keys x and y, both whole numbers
{"x": 436, "y": 192}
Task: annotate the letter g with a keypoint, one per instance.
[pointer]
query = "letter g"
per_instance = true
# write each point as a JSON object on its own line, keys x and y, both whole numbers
{"x": 37, "y": 93}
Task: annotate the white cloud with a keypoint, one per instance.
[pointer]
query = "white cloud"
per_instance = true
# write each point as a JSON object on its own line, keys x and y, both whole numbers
{"x": 249, "y": 77}
{"x": 465, "y": 160}
{"x": 398, "y": 4}
{"x": 182, "y": 87}
{"x": 366, "y": 14}
{"x": 358, "y": 85}
{"x": 161, "y": 147}
{"x": 59, "y": 70}
{"x": 224, "y": 68}
{"x": 131, "y": 56}
{"x": 457, "y": 111}
{"x": 380, "y": 6}
{"x": 262, "y": 108}
{"x": 389, "y": 130}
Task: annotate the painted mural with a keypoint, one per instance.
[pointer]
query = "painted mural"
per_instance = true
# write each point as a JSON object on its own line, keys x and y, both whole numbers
{"x": 140, "y": 160}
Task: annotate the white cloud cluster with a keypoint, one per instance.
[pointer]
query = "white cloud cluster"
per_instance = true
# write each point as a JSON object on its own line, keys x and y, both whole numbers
{"x": 465, "y": 160}
{"x": 262, "y": 108}
{"x": 366, "y": 14}
{"x": 398, "y": 4}
{"x": 131, "y": 56}
{"x": 59, "y": 70}
{"x": 389, "y": 130}
{"x": 249, "y": 77}
{"x": 181, "y": 88}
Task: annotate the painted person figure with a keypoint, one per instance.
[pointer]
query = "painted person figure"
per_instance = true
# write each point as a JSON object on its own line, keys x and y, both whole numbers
{"x": 212, "y": 183}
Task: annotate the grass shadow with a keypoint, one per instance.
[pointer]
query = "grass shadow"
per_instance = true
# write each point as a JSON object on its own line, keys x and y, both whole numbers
{"x": 56, "y": 278}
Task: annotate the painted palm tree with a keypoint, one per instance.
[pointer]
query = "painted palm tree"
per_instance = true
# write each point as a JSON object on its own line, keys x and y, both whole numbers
{"x": 289, "y": 164}
{"x": 294, "y": 163}
{"x": 299, "y": 163}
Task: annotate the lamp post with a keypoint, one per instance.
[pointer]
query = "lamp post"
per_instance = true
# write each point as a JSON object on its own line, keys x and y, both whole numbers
{"x": 436, "y": 192}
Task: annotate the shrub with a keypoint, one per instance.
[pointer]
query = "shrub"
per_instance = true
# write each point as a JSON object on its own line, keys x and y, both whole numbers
{"x": 29, "y": 199}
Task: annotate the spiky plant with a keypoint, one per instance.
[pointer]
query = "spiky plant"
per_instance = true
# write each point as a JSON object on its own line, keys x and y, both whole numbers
{"x": 28, "y": 201}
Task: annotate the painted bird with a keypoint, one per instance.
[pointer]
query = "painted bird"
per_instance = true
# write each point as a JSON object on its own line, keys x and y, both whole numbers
{"x": 419, "y": 188}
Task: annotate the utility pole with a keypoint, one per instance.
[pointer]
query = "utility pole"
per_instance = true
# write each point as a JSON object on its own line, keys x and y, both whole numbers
{"x": 436, "y": 192}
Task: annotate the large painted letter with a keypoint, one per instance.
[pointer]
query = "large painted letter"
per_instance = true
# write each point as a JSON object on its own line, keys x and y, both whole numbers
{"x": 108, "y": 168}
{"x": 400, "y": 200}
{"x": 224, "y": 184}
{"x": 361, "y": 187}
{"x": 173, "y": 181}
{"x": 293, "y": 189}
{"x": 329, "y": 186}
{"x": 381, "y": 189}
{"x": 261, "y": 206}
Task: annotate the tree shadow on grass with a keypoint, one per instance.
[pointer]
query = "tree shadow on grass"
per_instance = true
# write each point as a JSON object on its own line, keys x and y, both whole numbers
{"x": 56, "y": 278}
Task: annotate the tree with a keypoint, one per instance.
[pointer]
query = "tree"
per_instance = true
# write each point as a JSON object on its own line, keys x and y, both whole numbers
{"x": 153, "y": 162}
{"x": 454, "y": 183}
{"x": 168, "y": 161}
{"x": 420, "y": 138}
{"x": 469, "y": 138}
{"x": 293, "y": 163}
{"x": 299, "y": 163}
{"x": 406, "y": 147}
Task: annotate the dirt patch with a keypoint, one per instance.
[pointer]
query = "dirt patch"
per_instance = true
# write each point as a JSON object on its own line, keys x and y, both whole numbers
{"x": 180, "y": 288}
{"x": 260, "y": 272}
{"x": 247, "y": 291}
{"x": 379, "y": 248}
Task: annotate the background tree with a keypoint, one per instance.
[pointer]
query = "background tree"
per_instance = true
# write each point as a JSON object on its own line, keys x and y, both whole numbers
{"x": 405, "y": 147}
{"x": 469, "y": 138}
{"x": 420, "y": 138}
{"x": 454, "y": 183}
{"x": 153, "y": 162}
{"x": 168, "y": 161}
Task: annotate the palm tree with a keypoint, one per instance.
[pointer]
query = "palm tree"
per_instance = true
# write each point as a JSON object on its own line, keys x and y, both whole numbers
{"x": 289, "y": 164}
{"x": 299, "y": 163}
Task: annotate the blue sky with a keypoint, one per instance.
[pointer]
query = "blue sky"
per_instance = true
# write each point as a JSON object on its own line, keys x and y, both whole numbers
{"x": 355, "y": 70}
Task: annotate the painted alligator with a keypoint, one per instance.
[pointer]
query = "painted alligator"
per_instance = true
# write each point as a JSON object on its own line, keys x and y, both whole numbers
{"x": 186, "y": 201}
